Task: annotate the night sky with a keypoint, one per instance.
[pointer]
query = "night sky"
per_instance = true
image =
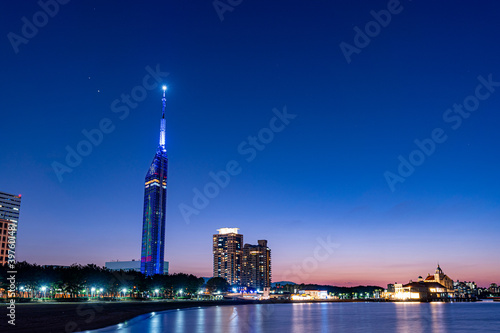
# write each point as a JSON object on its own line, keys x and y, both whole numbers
{"x": 322, "y": 175}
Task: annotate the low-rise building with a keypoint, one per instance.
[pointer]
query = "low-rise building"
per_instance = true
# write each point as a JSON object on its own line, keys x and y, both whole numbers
{"x": 437, "y": 286}
{"x": 310, "y": 294}
{"x": 465, "y": 289}
{"x": 133, "y": 265}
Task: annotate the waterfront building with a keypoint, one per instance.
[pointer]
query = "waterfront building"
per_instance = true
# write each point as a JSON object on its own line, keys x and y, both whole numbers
{"x": 494, "y": 288}
{"x": 134, "y": 265}
{"x": 440, "y": 278}
{"x": 227, "y": 251}
{"x": 246, "y": 266}
{"x": 465, "y": 289}
{"x": 311, "y": 294}
{"x": 423, "y": 291}
{"x": 10, "y": 206}
{"x": 436, "y": 286}
{"x": 256, "y": 266}
{"x": 155, "y": 203}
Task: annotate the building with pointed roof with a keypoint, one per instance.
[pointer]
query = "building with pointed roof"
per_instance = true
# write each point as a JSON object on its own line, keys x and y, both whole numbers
{"x": 155, "y": 204}
{"x": 436, "y": 286}
{"x": 440, "y": 278}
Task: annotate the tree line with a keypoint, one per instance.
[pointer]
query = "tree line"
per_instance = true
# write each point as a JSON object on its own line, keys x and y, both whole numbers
{"x": 34, "y": 280}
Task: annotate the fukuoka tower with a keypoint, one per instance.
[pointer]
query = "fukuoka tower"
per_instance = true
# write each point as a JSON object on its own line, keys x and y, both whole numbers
{"x": 155, "y": 204}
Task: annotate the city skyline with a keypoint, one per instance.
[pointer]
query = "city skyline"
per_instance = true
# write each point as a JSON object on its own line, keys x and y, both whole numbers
{"x": 373, "y": 159}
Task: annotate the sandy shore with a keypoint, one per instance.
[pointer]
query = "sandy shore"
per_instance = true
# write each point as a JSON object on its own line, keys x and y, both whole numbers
{"x": 74, "y": 317}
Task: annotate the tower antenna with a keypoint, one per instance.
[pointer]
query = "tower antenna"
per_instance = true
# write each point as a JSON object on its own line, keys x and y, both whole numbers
{"x": 163, "y": 122}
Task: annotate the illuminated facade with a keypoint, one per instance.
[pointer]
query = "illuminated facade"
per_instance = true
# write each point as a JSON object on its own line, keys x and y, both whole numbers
{"x": 155, "y": 203}
{"x": 10, "y": 206}
{"x": 227, "y": 250}
{"x": 256, "y": 266}
{"x": 440, "y": 278}
{"x": 437, "y": 286}
{"x": 310, "y": 294}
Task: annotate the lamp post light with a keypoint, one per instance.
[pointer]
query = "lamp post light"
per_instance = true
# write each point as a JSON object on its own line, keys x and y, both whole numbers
{"x": 124, "y": 290}
{"x": 156, "y": 292}
{"x": 43, "y": 290}
{"x": 92, "y": 290}
{"x": 101, "y": 291}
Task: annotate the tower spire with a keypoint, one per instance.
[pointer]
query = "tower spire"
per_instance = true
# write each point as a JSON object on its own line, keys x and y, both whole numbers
{"x": 162, "y": 123}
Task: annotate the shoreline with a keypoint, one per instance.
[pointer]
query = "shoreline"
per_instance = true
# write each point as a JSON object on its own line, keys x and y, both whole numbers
{"x": 82, "y": 316}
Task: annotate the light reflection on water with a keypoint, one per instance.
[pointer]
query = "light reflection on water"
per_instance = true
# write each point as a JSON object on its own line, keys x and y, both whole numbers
{"x": 322, "y": 317}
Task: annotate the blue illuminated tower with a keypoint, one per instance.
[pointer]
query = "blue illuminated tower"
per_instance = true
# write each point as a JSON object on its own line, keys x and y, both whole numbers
{"x": 155, "y": 204}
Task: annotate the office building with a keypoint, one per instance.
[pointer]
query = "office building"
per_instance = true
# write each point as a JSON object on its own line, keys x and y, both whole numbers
{"x": 155, "y": 202}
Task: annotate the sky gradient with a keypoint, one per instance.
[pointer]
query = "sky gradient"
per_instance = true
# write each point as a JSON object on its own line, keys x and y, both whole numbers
{"x": 321, "y": 176}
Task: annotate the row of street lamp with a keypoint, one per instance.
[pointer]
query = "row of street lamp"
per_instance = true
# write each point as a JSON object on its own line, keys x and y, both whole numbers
{"x": 94, "y": 291}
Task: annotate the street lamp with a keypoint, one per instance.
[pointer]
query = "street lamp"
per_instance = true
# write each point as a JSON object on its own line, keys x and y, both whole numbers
{"x": 156, "y": 292}
{"x": 124, "y": 291}
{"x": 92, "y": 290}
{"x": 43, "y": 290}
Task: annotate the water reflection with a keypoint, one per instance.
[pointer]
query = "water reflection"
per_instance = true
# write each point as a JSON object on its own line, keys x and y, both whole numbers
{"x": 200, "y": 320}
{"x": 321, "y": 317}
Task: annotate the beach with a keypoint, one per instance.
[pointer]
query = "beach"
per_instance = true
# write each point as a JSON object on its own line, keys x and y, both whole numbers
{"x": 75, "y": 317}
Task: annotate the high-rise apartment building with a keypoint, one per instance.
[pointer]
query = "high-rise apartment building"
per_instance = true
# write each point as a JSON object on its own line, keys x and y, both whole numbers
{"x": 256, "y": 266}
{"x": 155, "y": 203}
{"x": 227, "y": 250}
{"x": 10, "y": 206}
{"x": 248, "y": 266}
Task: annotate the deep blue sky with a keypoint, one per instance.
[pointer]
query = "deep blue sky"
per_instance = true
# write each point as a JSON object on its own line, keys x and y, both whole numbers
{"x": 323, "y": 175}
